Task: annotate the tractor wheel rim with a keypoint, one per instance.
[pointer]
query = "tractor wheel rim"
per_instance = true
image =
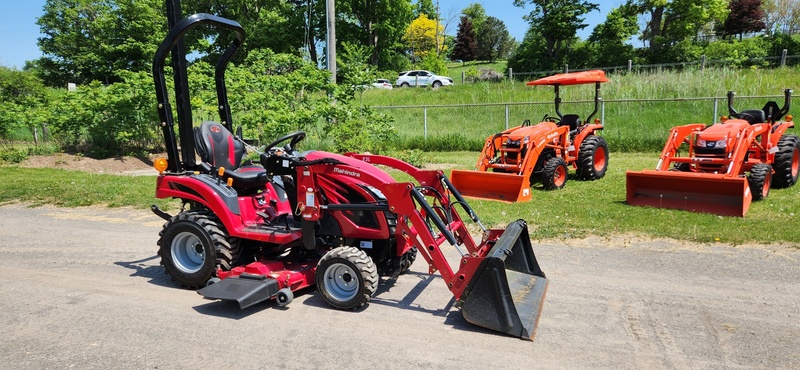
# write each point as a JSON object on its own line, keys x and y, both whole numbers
{"x": 599, "y": 160}
{"x": 795, "y": 162}
{"x": 188, "y": 252}
{"x": 560, "y": 176}
{"x": 341, "y": 282}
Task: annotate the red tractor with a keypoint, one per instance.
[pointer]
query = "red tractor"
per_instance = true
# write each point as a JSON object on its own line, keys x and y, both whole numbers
{"x": 251, "y": 233}
{"x": 514, "y": 159}
{"x": 726, "y": 166}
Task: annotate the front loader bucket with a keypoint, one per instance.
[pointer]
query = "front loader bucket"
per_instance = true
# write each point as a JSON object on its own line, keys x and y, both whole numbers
{"x": 695, "y": 192}
{"x": 505, "y": 187}
{"x": 508, "y": 289}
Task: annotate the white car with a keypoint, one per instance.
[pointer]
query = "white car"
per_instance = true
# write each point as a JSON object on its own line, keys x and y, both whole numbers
{"x": 422, "y": 78}
{"x": 382, "y": 84}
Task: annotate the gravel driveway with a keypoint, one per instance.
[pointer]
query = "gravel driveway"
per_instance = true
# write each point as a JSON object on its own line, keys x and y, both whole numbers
{"x": 83, "y": 288}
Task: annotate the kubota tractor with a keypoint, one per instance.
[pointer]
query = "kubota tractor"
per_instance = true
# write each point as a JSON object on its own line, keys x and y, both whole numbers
{"x": 252, "y": 233}
{"x": 725, "y": 166}
{"x": 514, "y": 159}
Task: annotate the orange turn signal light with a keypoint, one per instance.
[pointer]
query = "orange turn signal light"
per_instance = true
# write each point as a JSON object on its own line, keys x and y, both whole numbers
{"x": 789, "y": 117}
{"x": 723, "y": 118}
{"x": 160, "y": 165}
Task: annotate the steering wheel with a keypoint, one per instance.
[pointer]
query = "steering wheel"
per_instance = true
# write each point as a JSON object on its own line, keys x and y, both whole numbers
{"x": 548, "y": 118}
{"x": 295, "y": 138}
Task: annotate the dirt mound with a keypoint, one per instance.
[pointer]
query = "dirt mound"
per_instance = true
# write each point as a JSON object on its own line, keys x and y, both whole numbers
{"x": 117, "y": 165}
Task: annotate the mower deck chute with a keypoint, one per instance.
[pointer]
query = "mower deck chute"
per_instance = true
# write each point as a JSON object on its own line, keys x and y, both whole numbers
{"x": 507, "y": 187}
{"x": 507, "y": 291}
{"x": 244, "y": 289}
{"x": 694, "y": 192}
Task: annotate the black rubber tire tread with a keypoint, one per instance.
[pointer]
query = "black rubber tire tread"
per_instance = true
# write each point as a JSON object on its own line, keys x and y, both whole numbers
{"x": 787, "y": 146}
{"x": 360, "y": 262}
{"x": 549, "y": 172}
{"x": 585, "y": 163}
{"x": 760, "y": 176}
{"x": 225, "y": 249}
{"x": 682, "y": 167}
{"x": 408, "y": 259}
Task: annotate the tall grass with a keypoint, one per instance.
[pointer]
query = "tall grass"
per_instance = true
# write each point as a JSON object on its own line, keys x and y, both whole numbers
{"x": 630, "y": 125}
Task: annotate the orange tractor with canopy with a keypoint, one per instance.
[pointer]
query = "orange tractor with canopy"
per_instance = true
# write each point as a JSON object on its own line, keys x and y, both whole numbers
{"x": 726, "y": 166}
{"x": 514, "y": 159}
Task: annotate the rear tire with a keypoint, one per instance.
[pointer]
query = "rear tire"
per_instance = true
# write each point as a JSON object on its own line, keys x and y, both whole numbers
{"x": 346, "y": 278}
{"x": 759, "y": 179}
{"x": 787, "y": 162}
{"x": 592, "y": 158}
{"x": 554, "y": 174}
{"x": 192, "y": 245}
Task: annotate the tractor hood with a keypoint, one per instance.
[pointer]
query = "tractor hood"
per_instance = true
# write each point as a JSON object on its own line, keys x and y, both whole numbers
{"x": 359, "y": 165}
{"x": 531, "y": 131}
{"x": 713, "y": 135}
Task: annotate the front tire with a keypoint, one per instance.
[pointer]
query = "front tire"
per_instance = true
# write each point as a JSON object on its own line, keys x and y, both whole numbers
{"x": 759, "y": 179}
{"x": 787, "y": 162}
{"x": 592, "y": 158}
{"x": 437, "y": 84}
{"x": 191, "y": 245}
{"x": 346, "y": 278}
{"x": 554, "y": 174}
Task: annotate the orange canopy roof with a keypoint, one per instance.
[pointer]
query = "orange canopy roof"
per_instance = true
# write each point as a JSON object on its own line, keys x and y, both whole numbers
{"x": 574, "y": 78}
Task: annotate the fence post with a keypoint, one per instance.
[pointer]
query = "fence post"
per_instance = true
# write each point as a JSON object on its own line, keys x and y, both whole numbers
{"x": 602, "y": 112}
{"x": 716, "y": 110}
{"x": 462, "y": 77}
{"x": 783, "y": 58}
{"x": 703, "y": 62}
{"x": 506, "y": 116}
{"x": 566, "y": 68}
{"x": 630, "y": 65}
{"x": 511, "y": 74}
{"x": 425, "y": 120}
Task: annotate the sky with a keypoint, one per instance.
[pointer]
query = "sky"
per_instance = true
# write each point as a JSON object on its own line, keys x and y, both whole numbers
{"x": 19, "y": 32}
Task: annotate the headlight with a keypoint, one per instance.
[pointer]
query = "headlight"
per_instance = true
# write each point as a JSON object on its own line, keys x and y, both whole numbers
{"x": 719, "y": 144}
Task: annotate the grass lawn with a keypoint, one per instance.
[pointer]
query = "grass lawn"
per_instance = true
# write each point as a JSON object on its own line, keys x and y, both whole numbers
{"x": 581, "y": 209}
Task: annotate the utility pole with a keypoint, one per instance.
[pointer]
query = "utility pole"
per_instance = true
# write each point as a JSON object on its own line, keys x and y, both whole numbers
{"x": 331, "y": 54}
{"x": 436, "y": 35}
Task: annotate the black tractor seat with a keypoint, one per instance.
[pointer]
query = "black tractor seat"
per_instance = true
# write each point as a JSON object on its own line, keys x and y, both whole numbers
{"x": 217, "y": 147}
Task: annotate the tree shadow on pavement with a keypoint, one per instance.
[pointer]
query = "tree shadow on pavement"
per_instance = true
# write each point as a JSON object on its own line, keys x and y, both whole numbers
{"x": 153, "y": 272}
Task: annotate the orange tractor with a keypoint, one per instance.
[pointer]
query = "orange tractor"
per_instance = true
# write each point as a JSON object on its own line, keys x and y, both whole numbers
{"x": 514, "y": 159}
{"x": 727, "y": 165}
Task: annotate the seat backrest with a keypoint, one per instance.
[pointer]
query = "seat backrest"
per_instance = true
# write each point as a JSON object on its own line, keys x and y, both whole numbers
{"x": 571, "y": 120}
{"x": 753, "y": 116}
{"x": 217, "y": 146}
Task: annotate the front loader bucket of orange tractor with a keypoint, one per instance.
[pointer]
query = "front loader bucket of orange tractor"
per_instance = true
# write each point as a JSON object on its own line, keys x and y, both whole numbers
{"x": 508, "y": 289}
{"x": 695, "y": 192}
{"x": 507, "y": 187}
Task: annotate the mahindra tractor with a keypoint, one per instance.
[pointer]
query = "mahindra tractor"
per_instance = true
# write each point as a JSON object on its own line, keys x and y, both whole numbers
{"x": 722, "y": 168}
{"x": 298, "y": 219}
{"x": 512, "y": 160}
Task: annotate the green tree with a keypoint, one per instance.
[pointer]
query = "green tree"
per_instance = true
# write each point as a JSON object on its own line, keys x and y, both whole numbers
{"x": 279, "y": 25}
{"x": 425, "y": 7}
{"x": 782, "y": 16}
{"x": 23, "y": 102}
{"x": 378, "y": 24}
{"x": 85, "y": 40}
{"x": 494, "y": 41}
{"x": 671, "y": 22}
{"x": 476, "y": 14}
{"x": 609, "y": 40}
{"x": 466, "y": 46}
{"x": 558, "y": 21}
